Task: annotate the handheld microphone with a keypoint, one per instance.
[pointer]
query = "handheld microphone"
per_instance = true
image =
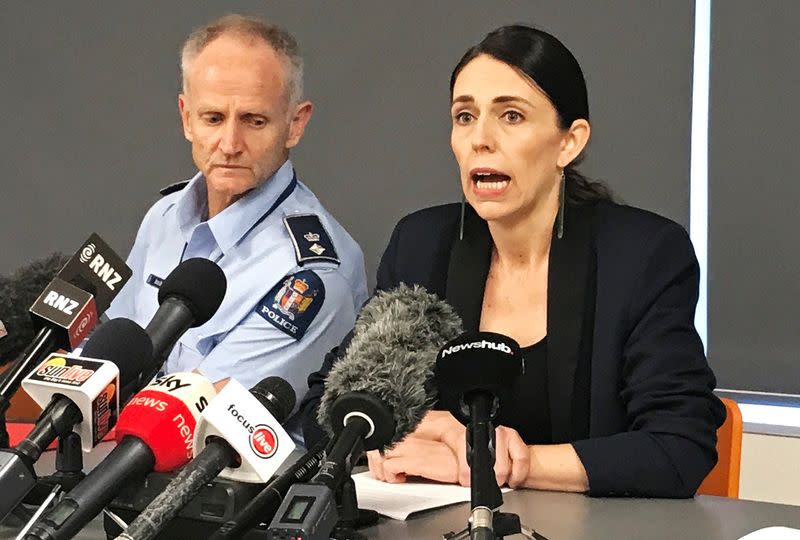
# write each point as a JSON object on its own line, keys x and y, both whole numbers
{"x": 374, "y": 396}
{"x": 475, "y": 373}
{"x": 189, "y": 297}
{"x": 154, "y": 432}
{"x": 237, "y": 429}
{"x": 68, "y": 308}
{"x": 78, "y": 393}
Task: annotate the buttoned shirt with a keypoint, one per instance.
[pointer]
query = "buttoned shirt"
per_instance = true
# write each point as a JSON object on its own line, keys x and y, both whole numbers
{"x": 295, "y": 278}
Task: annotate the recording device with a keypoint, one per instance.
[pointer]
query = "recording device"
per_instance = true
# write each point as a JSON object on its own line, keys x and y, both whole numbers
{"x": 68, "y": 308}
{"x": 265, "y": 504}
{"x": 155, "y": 431}
{"x": 374, "y": 396}
{"x": 188, "y": 298}
{"x": 77, "y": 393}
{"x": 240, "y": 432}
{"x": 475, "y": 374}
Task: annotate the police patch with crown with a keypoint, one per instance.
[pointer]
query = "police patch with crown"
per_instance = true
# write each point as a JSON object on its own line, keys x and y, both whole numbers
{"x": 310, "y": 239}
{"x": 293, "y": 303}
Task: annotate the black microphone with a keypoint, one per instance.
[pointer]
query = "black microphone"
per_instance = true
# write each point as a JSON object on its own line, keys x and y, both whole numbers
{"x": 265, "y": 504}
{"x": 475, "y": 374}
{"x": 120, "y": 341}
{"x": 68, "y": 308}
{"x": 273, "y": 393}
{"x": 375, "y": 395}
{"x": 188, "y": 298}
{"x": 154, "y": 432}
{"x": 17, "y": 293}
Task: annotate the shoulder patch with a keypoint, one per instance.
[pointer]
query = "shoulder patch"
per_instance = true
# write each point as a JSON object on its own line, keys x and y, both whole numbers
{"x": 292, "y": 304}
{"x": 311, "y": 241}
{"x": 172, "y": 188}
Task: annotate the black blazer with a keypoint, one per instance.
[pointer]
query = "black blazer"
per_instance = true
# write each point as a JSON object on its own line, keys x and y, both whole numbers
{"x": 622, "y": 290}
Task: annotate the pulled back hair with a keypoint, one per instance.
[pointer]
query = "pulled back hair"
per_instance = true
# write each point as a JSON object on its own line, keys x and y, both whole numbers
{"x": 542, "y": 58}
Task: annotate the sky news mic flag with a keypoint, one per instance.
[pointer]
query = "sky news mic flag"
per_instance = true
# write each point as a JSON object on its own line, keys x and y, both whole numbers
{"x": 240, "y": 430}
{"x": 155, "y": 431}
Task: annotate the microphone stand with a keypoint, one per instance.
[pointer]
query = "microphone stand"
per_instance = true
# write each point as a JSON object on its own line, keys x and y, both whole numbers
{"x": 485, "y": 522}
{"x": 350, "y": 516}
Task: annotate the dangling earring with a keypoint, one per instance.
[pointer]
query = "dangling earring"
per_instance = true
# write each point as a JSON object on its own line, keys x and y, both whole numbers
{"x": 562, "y": 197}
{"x": 461, "y": 228}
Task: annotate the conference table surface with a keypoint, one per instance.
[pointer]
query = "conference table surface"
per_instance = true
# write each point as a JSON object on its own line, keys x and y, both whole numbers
{"x": 568, "y": 516}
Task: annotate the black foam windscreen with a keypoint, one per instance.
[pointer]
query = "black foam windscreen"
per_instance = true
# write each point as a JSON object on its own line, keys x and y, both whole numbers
{"x": 200, "y": 283}
{"x": 276, "y": 395}
{"x": 17, "y": 293}
{"x": 477, "y": 361}
{"x": 123, "y": 342}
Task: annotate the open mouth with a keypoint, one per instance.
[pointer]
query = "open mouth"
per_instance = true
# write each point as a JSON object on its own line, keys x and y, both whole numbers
{"x": 489, "y": 179}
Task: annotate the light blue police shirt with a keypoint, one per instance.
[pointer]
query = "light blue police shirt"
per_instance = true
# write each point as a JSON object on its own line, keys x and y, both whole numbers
{"x": 296, "y": 280}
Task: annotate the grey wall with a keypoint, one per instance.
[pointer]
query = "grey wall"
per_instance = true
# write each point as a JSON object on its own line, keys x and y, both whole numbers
{"x": 90, "y": 129}
{"x": 754, "y": 193}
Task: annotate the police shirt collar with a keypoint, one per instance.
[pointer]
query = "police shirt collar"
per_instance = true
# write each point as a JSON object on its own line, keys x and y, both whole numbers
{"x": 233, "y": 223}
{"x": 191, "y": 207}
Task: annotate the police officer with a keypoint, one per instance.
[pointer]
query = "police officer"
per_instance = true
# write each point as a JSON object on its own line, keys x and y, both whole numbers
{"x": 295, "y": 277}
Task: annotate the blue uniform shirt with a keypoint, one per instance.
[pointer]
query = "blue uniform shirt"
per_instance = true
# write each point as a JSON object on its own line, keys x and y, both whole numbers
{"x": 296, "y": 280}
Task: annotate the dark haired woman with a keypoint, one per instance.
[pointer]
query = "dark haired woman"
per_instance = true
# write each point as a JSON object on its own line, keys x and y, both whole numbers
{"x": 616, "y": 398}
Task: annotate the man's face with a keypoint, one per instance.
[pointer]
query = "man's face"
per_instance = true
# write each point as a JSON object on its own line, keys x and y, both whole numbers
{"x": 236, "y": 114}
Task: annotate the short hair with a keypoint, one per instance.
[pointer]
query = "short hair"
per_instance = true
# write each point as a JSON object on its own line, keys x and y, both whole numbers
{"x": 249, "y": 27}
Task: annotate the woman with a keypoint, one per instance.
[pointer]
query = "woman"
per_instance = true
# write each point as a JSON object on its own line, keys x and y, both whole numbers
{"x": 616, "y": 398}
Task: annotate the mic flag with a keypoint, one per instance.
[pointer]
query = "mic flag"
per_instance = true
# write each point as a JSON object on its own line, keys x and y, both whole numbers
{"x": 237, "y": 416}
{"x": 164, "y": 415}
{"x": 93, "y": 385}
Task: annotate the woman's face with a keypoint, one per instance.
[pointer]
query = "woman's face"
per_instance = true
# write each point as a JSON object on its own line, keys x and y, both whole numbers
{"x": 506, "y": 140}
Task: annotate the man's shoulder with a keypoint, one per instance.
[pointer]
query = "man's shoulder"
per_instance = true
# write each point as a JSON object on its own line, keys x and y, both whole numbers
{"x": 173, "y": 187}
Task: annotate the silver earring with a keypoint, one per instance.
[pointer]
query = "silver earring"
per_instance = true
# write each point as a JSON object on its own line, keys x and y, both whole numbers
{"x": 463, "y": 205}
{"x": 562, "y": 196}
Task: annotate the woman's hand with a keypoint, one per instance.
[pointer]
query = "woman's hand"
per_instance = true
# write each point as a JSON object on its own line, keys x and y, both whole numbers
{"x": 414, "y": 457}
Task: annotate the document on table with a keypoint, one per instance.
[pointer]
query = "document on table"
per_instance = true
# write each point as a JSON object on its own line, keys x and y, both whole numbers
{"x": 398, "y": 501}
{"x": 773, "y": 533}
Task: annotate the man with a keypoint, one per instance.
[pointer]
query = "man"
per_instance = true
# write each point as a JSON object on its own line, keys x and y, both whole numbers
{"x": 295, "y": 277}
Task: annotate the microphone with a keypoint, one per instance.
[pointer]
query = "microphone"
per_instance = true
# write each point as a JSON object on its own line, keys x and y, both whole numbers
{"x": 78, "y": 393}
{"x": 188, "y": 298}
{"x": 239, "y": 429}
{"x": 374, "y": 396}
{"x": 154, "y": 432}
{"x": 475, "y": 373}
{"x": 68, "y": 308}
{"x": 17, "y": 292}
{"x": 264, "y": 505}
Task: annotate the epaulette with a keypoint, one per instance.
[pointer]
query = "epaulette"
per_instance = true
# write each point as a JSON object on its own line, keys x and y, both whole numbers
{"x": 311, "y": 241}
{"x": 172, "y": 188}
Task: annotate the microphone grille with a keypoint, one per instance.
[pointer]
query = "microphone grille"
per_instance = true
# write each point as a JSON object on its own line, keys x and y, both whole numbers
{"x": 123, "y": 342}
{"x": 276, "y": 395}
{"x": 201, "y": 283}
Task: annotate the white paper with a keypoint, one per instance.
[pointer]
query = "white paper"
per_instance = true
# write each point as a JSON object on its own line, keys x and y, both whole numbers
{"x": 398, "y": 501}
{"x": 773, "y": 533}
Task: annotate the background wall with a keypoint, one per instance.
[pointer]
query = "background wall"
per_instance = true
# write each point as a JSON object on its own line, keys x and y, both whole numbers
{"x": 91, "y": 131}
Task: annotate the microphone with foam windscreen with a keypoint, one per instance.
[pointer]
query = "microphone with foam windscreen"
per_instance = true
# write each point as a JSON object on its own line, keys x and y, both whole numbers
{"x": 155, "y": 431}
{"x": 188, "y": 298}
{"x": 238, "y": 429}
{"x": 374, "y": 396}
{"x": 475, "y": 374}
{"x": 68, "y": 308}
{"x": 78, "y": 393}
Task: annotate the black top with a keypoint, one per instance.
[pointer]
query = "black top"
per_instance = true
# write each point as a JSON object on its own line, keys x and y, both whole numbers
{"x": 622, "y": 289}
{"x": 528, "y": 410}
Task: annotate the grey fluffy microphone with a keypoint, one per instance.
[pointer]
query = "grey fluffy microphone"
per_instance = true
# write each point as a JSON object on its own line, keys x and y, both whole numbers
{"x": 391, "y": 360}
{"x": 374, "y": 395}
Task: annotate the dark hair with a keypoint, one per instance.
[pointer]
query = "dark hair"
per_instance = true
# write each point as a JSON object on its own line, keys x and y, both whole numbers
{"x": 546, "y": 61}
